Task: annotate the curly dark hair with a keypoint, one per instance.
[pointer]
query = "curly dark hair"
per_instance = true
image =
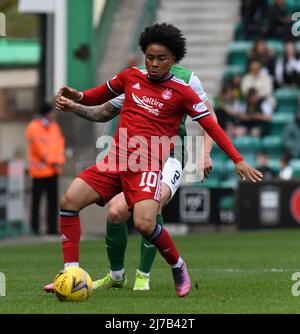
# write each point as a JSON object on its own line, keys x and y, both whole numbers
{"x": 166, "y": 35}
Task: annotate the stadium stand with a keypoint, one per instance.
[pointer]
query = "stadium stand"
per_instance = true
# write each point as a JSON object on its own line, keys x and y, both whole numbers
{"x": 291, "y": 6}
{"x": 286, "y": 105}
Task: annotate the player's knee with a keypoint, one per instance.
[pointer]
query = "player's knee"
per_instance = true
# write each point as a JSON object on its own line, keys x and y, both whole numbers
{"x": 144, "y": 225}
{"x": 68, "y": 202}
{"x": 116, "y": 214}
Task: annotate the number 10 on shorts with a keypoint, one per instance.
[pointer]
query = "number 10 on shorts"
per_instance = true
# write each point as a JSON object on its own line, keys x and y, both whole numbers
{"x": 148, "y": 179}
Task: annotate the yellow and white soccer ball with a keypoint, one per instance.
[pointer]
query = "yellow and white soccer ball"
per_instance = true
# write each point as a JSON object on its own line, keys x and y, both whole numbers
{"x": 73, "y": 284}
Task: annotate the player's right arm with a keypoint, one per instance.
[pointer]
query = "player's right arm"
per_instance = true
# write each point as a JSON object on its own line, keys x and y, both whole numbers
{"x": 103, "y": 113}
{"x": 97, "y": 95}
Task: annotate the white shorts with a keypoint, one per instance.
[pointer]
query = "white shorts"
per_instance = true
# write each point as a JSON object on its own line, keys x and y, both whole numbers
{"x": 171, "y": 174}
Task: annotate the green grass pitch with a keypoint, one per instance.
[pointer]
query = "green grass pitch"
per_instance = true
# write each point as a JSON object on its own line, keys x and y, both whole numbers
{"x": 247, "y": 272}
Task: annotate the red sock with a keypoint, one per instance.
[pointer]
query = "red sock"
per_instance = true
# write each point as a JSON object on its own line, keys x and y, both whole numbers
{"x": 166, "y": 247}
{"x": 70, "y": 235}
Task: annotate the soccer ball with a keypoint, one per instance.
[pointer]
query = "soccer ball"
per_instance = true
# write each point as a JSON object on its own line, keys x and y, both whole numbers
{"x": 73, "y": 284}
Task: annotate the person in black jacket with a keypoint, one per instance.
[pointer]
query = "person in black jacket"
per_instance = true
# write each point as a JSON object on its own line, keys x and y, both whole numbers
{"x": 287, "y": 68}
{"x": 279, "y": 22}
{"x": 253, "y": 13}
{"x": 262, "y": 161}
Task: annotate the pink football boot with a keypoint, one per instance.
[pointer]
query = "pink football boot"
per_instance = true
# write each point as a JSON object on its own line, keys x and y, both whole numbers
{"x": 182, "y": 280}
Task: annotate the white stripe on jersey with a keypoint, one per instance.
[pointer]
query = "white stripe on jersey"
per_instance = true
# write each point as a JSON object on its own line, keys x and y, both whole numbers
{"x": 179, "y": 81}
{"x": 200, "y": 116}
{"x": 109, "y": 87}
{"x": 158, "y": 185}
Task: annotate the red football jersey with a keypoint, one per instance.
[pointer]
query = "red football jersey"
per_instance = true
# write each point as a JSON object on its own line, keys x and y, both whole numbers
{"x": 153, "y": 108}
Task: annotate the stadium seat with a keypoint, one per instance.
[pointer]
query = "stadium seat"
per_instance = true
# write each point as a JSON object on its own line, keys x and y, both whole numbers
{"x": 295, "y": 164}
{"x": 279, "y": 122}
{"x": 239, "y": 33}
{"x": 286, "y": 100}
{"x": 238, "y": 51}
{"x": 273, "y": 145}
{"x": 217, "y": 153}
{"x": 229, "y": 183}
{"x": 283, "y": 117}
{"x": 250, "y": 157}
{"x": 229, "y": 170}
{"x": 218, "y": 168}
{"x": 276, "y": 45}
{"x": 247, "y": 144}
{"x": 291, "y": 6}
{"x": 231, "y": 70}
{"x": 274, "y": 164}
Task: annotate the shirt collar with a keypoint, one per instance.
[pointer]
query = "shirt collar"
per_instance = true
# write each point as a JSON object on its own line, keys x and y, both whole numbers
{"x": 169, "y": 76}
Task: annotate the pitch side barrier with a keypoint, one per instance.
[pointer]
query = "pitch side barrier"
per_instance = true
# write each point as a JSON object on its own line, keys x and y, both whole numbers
{"x": 268, "y": 204}
{"x": 262, "y": 205}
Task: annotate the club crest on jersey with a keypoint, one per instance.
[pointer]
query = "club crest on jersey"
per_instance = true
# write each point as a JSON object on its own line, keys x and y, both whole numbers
{"x": 149, "y": 103}
{"x": 199, "y": 107}
{"x": 167, "y": 94}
